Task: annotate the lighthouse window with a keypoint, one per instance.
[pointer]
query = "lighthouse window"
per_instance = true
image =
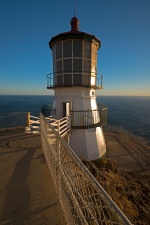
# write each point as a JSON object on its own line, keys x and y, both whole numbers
{"x": 87, "y": 66}
{"x": 54, "y": 67}
{"x": 77, "y": 48}
{"x": 67, "y": 65}
{"x": 59, "y": 66}
{"x": 77, "y": 65}
{"x": 93, "y": 68}
{"x": 54, "y": 52}
{"x": 59, "y": 80}
{"x": 93, "y": 93}
{"x": 59, "y": 50}
{"x": 74, "y": 62}
{"x": 67, "y": 49}
{"x": 87, "y": 49}
{"x": 77, "y": 79}
{"x": 94, "y": 51}
{"x": 67, "y": 79}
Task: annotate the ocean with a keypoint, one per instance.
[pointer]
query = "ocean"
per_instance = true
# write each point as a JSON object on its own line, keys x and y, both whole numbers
{"x": 131, "y": 113}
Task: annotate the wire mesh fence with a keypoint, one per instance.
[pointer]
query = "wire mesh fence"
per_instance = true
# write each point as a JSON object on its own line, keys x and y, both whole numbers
{"x": 136, "y": 155}
{"x": 82, "y": 198}
{"x": 132, "y": 162}
{"x": 17, "y": 119}
{"x": 135, "y": 138}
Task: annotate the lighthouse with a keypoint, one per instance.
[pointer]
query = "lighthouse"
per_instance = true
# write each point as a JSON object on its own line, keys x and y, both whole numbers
{"x": 74, "y": 80}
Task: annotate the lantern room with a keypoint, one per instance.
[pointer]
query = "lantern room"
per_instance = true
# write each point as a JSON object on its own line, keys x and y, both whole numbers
{"x": 74, "y": 59}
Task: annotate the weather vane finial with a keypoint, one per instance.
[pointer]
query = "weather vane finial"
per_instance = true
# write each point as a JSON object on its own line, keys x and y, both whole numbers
{"x": 74, "y": 7}
{"x": 74, "y": 21}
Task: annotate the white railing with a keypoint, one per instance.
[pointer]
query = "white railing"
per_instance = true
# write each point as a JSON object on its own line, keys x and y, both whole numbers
{"x": 82, "y": 198}
{"x": 33, "y": 124}
{"x": 62, "y": 126}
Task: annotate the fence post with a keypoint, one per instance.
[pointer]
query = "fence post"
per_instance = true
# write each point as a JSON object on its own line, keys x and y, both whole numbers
{"x": 59, "y": 167}
{"x": 28, "y": 118}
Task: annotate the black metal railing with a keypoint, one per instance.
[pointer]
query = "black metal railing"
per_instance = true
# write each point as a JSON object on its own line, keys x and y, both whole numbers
{"x": 84, "y": 119}
{"x": 70, "y": 79}
{"x": 103, "y": 112}
{"x": 47, "y": 110}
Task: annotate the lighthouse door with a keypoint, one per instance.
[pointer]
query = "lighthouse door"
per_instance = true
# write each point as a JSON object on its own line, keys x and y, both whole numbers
{"x": 66, "y": 108}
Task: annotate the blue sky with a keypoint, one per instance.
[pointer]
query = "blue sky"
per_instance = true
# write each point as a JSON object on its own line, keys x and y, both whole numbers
{"x": 123, "y": 26}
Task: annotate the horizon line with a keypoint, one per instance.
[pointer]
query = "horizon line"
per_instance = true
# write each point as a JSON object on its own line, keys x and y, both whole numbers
{"x": 53, "y": 95}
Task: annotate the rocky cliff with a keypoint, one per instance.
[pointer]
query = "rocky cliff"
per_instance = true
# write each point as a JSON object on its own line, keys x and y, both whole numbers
{"x": 129, "y": 190}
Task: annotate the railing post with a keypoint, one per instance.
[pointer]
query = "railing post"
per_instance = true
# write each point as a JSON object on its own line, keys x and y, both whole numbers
{"x": 58, "y": 125}
{"x": 69, "y": 124}
{"x": 28, "y": 118}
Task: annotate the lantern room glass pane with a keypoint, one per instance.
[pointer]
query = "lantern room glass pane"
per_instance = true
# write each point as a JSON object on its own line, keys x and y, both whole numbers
{"x": 94, "y": 52}
{"x": 77, "y": 65}
{"x": 93, "y": 68}
{"x": 87, "y": 66}
{"x": 59, "y": 80}
{"x": 68, "y": 79}
{"x": 86, "y": 80}
{"x": 54, "y": 67}
{"x": 67, "y": 65}
{"x": 87, "y": 49}
{"x": 59, "y": 50}
{"x": 77, "y": 48}
{"x": 54, "y": 52}
{"x": 59, "y": 66}
{"x": 77, "y": 79}
{"x": 67, "y": 49}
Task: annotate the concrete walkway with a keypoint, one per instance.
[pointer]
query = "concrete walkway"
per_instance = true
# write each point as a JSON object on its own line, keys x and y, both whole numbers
{"x": 27, "y": 194}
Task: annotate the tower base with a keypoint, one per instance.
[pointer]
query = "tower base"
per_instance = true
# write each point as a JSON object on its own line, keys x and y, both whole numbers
{"x": 88, "y": 143}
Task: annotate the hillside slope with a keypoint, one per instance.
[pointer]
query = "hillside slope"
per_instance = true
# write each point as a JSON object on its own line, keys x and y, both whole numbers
{"x": 130, "y": 191}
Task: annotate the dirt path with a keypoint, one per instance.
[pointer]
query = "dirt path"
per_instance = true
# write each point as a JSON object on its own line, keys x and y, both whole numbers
{"x": 27, "y": 193}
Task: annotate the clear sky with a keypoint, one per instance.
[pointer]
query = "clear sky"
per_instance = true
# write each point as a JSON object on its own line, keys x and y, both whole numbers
{"x": 123, "y": 26}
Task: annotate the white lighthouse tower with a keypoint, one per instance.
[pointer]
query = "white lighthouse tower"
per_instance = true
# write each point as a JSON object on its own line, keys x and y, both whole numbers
{"x": 74, "y": 81}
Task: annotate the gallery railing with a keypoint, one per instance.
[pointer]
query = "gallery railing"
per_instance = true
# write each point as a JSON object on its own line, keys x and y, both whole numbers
{"x": 70, "y": 79}
{"x": 89, "y": 118}
{"x": 85, "y": 119}
{"x": 82, "y": 198}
